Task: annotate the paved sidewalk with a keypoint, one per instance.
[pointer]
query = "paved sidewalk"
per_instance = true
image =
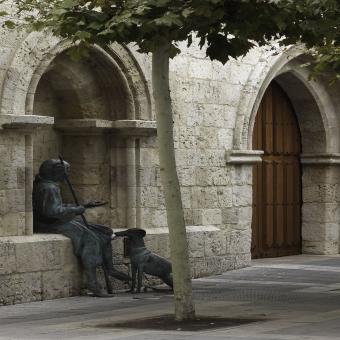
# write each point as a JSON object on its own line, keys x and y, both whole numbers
{"x": 296, "y": 297}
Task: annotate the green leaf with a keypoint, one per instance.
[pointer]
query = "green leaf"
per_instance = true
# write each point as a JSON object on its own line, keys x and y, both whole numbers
{"x": 95, "y": 25}
{"x": 67, "y": 4}
{"x": 9, "y": 24}
{"x": 83, "y": 35}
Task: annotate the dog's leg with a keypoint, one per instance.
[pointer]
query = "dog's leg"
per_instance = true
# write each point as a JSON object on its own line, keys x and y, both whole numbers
{"x": 140, "y": 277}
{"x": 133, "y": 274}
{"x": 107, "y": 280}
{"x": 168, "y": 280}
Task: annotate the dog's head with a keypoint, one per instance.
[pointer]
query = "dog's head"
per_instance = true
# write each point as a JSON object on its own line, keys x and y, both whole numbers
{"x": 131, "y": 233}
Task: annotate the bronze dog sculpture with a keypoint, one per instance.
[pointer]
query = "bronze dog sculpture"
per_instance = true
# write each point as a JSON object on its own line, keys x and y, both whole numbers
{"x": 143, "y": 260}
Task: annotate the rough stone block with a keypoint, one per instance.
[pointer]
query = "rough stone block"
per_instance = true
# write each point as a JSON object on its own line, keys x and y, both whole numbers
{"x": 88, "y": 173}
{"x": 215, "y": 243}
{"x": 239, "y": 242}
{"x": 320, "y": 247}
{"x": 215, "y": 265}
{"x": 241, "y": 175}
{"x": 324, "y": 193}
{"x": 225, "y": 197}
{"x": 159, "y": 218}
{"x": 196, "y": 244}
{"x": 204, "y": 197}
{"x": 180, "y": 66}
{"x": 203, "y": 176}
{"x": 56, "y": 284}
{"x": 210, "y": 157}
{"x": 194, "y": 113}
{"x": 147, "y": 176}
{"x": 207, "y": 137}
{"x": 37, "y": 256}
{"x": 235, "y": 215}
{"x": 239, "y": 72}
{"x": 186, "y": 194}
{"x": 8, "y": 177}
{"x": 12, "y": 201}
{"x": 20, "y": 288}
{"x": 220, "y": 176}
{"x": 242, "y": 260}
{"x": 225, "y": 138}
{"x": 213, "y": 115}
{"x": 12, "y": 224}
{"x": 149, "y": 197}
{"x": 118, "y": 217}
{"x": 200, "y": 69}
{"x": 21, "y": 177}
{"x": 186, "y": 176}
{"x": 197, "y": 216}
{"x": 188, "y": 217}
{"x": 198, "y": 267}
{"x": 211, "y": 217}
{"x": 7, "y": 257}
{"x": 242, "y": 195}
{"x": 186, "y": 137}
{"x": 148, "y": 156}
{"x": 321, "y": 212}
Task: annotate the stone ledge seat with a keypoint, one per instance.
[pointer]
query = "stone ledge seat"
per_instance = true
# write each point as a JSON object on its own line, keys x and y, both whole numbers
{"x": 43, "y": 266}
{"x": 37, "y": 267}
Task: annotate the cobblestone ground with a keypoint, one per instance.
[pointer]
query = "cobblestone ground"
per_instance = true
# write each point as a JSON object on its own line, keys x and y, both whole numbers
{"x": 296, "y": 297}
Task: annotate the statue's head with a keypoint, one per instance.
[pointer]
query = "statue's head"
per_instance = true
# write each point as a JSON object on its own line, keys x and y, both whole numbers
{"x": 54, "y": 170}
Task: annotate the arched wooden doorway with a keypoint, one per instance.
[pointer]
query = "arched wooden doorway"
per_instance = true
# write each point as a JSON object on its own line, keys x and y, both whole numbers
{"x": 276, "y": 222}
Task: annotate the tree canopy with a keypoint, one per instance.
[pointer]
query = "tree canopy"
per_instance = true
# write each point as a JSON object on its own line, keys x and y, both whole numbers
{"x": 228, "y": 28}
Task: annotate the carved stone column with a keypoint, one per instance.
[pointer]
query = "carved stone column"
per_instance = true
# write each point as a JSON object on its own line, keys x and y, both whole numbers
{"x": 23, "y": 126}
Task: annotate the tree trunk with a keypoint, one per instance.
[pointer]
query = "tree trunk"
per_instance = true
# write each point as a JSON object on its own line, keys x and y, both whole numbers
{"x": 184, "y": 308}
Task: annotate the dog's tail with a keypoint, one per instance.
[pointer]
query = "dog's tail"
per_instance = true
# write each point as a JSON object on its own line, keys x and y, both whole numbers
{"x": 119, "y": 275}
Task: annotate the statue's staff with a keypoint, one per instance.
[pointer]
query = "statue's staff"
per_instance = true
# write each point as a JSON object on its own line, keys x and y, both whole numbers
{"x": 86, "y": 206}
{"x": 73, "y": 193}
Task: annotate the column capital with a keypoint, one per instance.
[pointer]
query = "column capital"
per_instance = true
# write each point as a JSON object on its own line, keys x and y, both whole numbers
{"x": 243, "y": 157}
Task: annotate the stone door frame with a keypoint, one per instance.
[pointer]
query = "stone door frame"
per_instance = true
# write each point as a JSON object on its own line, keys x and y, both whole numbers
{"x": 316, "y": 106}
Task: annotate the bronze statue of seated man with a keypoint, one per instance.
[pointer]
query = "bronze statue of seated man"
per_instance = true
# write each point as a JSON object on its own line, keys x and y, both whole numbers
{"x": 91, "y": 242}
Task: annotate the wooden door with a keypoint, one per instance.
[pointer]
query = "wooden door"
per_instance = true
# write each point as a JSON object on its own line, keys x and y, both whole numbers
{"x": 276, "y": 222}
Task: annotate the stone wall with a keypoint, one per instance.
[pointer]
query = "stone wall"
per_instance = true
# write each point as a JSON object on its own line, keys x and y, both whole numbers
{"x": 104, "y": 125}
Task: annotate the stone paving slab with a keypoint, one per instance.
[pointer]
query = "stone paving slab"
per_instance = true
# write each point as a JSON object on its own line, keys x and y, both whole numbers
{"x": 293, "y": 298}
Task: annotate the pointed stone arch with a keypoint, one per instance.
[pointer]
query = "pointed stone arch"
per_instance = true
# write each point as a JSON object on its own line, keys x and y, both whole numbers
{"x": 315, "y": 104}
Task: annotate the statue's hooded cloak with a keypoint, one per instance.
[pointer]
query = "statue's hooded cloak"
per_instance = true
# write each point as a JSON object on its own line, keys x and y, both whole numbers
{"x": 50, "y": 215}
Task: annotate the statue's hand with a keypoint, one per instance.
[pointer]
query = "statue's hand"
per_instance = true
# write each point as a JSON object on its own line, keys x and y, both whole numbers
{"x": 79, "y": 210}
{"x": 94, "y": 204}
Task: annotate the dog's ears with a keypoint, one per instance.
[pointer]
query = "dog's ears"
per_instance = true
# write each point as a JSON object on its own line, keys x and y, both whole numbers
{"x": 141, "y": 232}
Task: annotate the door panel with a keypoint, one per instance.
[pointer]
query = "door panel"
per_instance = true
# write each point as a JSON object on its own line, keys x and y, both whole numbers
{"x": 276, "y": 224}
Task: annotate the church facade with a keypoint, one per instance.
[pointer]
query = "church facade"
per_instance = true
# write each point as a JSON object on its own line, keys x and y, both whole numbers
{"x": 257, "y": 150}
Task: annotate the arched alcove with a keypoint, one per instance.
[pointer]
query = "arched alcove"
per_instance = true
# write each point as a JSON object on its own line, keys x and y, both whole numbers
{"x": 85, "y": 96}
